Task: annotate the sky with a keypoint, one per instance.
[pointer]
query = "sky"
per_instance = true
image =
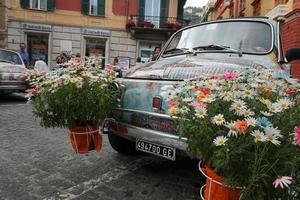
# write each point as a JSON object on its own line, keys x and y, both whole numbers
{"x": 196, "y": 3}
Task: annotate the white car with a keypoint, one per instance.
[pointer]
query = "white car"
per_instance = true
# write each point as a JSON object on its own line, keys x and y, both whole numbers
{"x": 12, "y": 69}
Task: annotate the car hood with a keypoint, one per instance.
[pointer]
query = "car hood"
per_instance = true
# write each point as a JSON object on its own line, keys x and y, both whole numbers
{"x": 11, "y": 68}
{"x": 185, "y": 67}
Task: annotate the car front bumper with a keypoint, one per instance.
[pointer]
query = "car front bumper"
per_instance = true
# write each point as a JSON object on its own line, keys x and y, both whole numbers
{"x": 133, "y": 132}
{"x": 12, "y": 86}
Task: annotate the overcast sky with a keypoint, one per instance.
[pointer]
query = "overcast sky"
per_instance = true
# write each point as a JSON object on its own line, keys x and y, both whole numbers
{"x": 196, "y": 3}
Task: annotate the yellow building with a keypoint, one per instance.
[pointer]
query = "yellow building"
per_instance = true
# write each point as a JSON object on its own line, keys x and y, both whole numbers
{"x": 88, "y": 27}
{"x": 222, "y": 9}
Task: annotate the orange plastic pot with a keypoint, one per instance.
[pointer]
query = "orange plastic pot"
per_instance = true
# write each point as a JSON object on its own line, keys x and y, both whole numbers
{"x": 214, "y": 190}
{"x": 85, "y": 138}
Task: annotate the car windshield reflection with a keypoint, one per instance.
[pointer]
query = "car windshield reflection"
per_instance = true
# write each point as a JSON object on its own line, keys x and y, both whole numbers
{"x": 10, "y": 57}
{"x": 246, "y": 37}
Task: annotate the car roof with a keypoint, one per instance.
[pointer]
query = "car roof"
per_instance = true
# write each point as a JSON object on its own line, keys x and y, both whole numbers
{"x": 256, "y": 19}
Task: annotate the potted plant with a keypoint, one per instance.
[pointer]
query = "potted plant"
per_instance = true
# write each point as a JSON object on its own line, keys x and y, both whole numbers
{"x": 245, "y": 125}
{"x": 77, "y": 97}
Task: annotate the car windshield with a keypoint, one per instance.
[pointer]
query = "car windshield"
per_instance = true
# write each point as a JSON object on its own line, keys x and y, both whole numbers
{"x": 10, "y": 57}
{"x": 243, "y": 36}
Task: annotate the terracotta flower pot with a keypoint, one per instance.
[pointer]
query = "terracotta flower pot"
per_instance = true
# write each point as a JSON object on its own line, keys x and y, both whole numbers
{"x": 85, "y": 138}
{"x": 214, "y": 190}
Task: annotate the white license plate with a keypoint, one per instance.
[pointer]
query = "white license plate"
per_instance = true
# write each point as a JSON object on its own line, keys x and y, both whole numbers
{"x": 156, "y": 149}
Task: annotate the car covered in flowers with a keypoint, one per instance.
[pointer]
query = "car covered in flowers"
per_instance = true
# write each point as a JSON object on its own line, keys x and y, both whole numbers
{"x": 12, "y": 69}
{"x": 142, "y": 121}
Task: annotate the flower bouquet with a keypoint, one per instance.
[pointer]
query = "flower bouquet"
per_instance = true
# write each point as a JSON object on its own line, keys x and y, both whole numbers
{"x": 78, "y": 97}
{"x": 245, "y": 125}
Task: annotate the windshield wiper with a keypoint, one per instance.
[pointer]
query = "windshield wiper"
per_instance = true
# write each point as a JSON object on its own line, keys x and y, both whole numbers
{"x": 7, "y": 61}
{"x": 218, "y": 47}
{"x": 178, "y": 51}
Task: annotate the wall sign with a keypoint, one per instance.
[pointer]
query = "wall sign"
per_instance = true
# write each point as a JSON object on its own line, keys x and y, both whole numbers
{"x": 40, "y": 27}
{"x": 99, "y": 32}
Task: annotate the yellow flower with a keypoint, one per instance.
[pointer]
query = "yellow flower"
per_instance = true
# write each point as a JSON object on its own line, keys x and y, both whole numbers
{"x": 267, "y": 102}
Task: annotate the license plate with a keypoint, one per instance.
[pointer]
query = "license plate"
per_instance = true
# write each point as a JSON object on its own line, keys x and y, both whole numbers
{"x": 156, "y": 149}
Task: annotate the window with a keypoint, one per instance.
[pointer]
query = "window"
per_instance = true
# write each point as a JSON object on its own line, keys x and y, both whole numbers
{"x": 38, "y": 4}
{"x": 93, "y": 7}
{"x": 38, "y": 44}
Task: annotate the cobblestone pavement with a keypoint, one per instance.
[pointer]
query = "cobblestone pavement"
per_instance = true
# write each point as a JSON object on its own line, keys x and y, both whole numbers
{"x": 38, "y": 163}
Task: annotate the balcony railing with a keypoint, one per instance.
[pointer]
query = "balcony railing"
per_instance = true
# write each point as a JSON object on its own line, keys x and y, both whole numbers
{"x": 155, "y": 22}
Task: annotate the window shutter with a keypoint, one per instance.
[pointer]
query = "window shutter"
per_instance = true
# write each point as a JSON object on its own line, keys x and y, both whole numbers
{"x": 85, "y": 6}
{"x": 141, "y": 10}
{"x": 24, "y": 4}
{"x": 50, "y": 5}
{"x": 164, "y": 11}
{"x": 101, "y": 8}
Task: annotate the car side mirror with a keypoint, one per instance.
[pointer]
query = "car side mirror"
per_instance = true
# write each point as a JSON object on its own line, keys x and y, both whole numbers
{"x": 293, "y": 54}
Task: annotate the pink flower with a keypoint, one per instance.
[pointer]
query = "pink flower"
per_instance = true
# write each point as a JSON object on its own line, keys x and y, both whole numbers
{"x": 30, "y": 90}
{"x": 297, "y": 135}
{"x": 229, "y": 75}
{"x": 172, "y": 103}
{"x": 289, "y": 91}
{"x": 109, "y": 68}
{"x": 197, "y": 104}
{"x": 283, "y": 181}
{"x": 58, "y": 82}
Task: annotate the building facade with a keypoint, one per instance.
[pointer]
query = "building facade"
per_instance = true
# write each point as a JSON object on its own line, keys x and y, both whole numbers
{"x": 88, "y": 27}
{"x": 222, "y": 9}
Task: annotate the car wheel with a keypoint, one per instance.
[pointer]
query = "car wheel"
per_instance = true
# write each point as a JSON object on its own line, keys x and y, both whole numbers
{"x": 121, "y": 145}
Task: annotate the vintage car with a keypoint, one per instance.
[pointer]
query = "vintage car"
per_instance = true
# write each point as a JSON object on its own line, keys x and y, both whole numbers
{"x": 141, "y": 122}
{"x": 12, "y": 70}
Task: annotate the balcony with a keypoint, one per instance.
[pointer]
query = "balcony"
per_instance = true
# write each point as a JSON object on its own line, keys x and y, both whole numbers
{"x": 145, "y": 27}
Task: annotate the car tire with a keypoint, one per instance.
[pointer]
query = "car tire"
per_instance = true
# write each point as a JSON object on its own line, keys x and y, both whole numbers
{"x": 121, "y": 145}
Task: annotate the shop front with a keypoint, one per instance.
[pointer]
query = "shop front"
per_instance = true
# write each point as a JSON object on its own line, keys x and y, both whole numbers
{"x": 146, "y": 48}
{"x": 37, "y": 45}
{"x": 37, "y": 38}
{"x": 96, "y": 43}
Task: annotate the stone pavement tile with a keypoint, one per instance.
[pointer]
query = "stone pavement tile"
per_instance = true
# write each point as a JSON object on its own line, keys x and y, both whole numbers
{"x": 89, "y": 195}
{"x": 117, "y": 193}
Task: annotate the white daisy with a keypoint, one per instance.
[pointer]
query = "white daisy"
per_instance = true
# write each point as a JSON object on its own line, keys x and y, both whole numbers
{"x": 259, "y": 136}
{"x": 247, "y": 113}
{"x": 283, "y": 181}
{"x": 209, "y": 99}
{"x": 248, "y": 93}
{"x": 267, "y": 114}
{"x": 218, "y": 119}
{"x": 227, "y": 96}
{"x": 284, "y": 103}
{"x": 251, "y": 121}
{"x": 201, "y": 112}
{"x": 238, "y": 105}
{"x": 184, "y": 110}
{"x": 272, "y": 131}
{"x": 274, "y": 108}
{"x": 233, "y": 131}
{"x": 220, "y": 140}
{"x": 188, "y": 99}
{"x": 273, "y": 139}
